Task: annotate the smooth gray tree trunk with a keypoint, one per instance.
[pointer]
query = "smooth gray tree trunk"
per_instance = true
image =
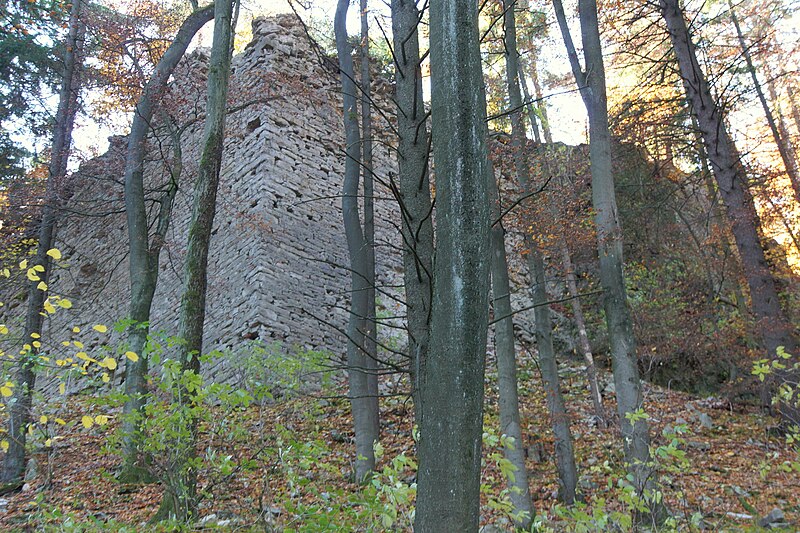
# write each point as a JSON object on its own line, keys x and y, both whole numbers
{"x": 371, "y": 332}
{"x": 565, "y": 458}
{"x": 731, "y": 180}
{"x": 506, "y": 354}
{"x": 144, "y": 251}
{"x": 180, "y": 496}
{"x": 19, "y": 416}
{"x": 634, "y": 427}
{"x": 448, "y": 494}
{"x": 413, "y": 190}
{"x": 365, "y": 418}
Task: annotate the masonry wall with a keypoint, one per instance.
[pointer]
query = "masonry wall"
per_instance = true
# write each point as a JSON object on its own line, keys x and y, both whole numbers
{"x": 277, "y": 264}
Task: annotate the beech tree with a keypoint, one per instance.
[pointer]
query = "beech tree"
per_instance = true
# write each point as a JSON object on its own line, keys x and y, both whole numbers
{"x": 507, "y": 382}
{"x": 20, "y": 411}
{"x": 363, "y": 397}
{"x": 590, "y": 80}
{"x": 180, "y": 496}
{"x": 451, "y": 386}
{"x": 413, "y": 189}
{"x": 144, "y": 249}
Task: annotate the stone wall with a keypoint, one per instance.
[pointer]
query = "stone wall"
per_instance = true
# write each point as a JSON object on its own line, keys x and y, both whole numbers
{"x": 278, "y": 249}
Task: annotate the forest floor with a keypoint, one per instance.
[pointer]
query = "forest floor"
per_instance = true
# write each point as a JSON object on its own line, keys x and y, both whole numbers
{"x": 292, "y": 460}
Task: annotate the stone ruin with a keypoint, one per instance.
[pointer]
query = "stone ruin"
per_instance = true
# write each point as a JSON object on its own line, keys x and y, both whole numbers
{"x": 278, "y": 257}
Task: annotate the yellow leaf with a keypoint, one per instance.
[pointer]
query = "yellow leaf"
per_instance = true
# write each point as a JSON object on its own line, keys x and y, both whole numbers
{"x": 37, "y": 344}
{"x": 62, "y": 388}
{"x": 42, "y": 286}
{"x": 49, "y": 307}
{"x": 35, "y": 335}
{"x": 4, "y": 445}
{"x": 23, "y": 264}
{"x": 43, "y": 419}
{"x": 3, "y": 329}
{"x": 37, "y": 268}
{"x": 109, "y": 363}
{"x": 61, "y": 422}
{"x": 76, "y": 329}
{"x": 54, "y": 253}
{"x": 32, "y": 275}
{"x": 6, "y": 391}
{"x": 65, "y": 343}
{"x": 6, "y": 273}
{"x": 105, "y": 377}
{"x": 66, "y": 304}
{"x": 132, "y": 356}
{"x": 48, "y": 442}
{"x": 101, "y": 420}
{"x": 100, "y": 328}
{"x": 87, "y": 421}
{"x": 78, "y": 344}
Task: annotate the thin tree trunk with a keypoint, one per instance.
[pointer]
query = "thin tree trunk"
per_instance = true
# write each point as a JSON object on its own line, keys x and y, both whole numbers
{"x": 565, "y": 455}
{"x": 635, "y": 429}
{"x": 788, "y": 158}
{"x": 371, "y": 332}
{"x": 365, "y": 419}
{"x": 413, "y": 191}
{"x": 25, "y": 380}
{"x": 180, "y": 499}
{"x": 732, "y": 185}
{"x": 448, "y": 497}
{"x": 144, "y": 253}
{"x": 565, "y": 458}
{"x": 505, "y": 352}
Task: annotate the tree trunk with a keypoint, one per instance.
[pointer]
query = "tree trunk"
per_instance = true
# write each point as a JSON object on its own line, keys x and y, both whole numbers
{"x": 25, "y": 379}
{"x": 785, "y": 152}
{"x": 365, "y": 419}
{"x": 565, "y": 459}
{"x": 732, "y": 185}
{"x": 144, "y": 253}
{"x": 635, "y": 429}
{"x": 505, "y": 352}
{"x": 565, "y": 455}
{"x": 180, "y": 499}
{"x": 371, "y": 331}
{"x": 448, "y": 496}
{"x": 413, "y": 191}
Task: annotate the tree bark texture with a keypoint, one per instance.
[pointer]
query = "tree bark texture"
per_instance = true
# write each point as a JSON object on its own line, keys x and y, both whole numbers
{"x": 143, "y": 252}
{"x": 773, "y": 325}
{"x": 19, "y": 416}
{"x": 448, "y": 496}
{"x": 365, "y": 418}
{"x": 413, "y": 189}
